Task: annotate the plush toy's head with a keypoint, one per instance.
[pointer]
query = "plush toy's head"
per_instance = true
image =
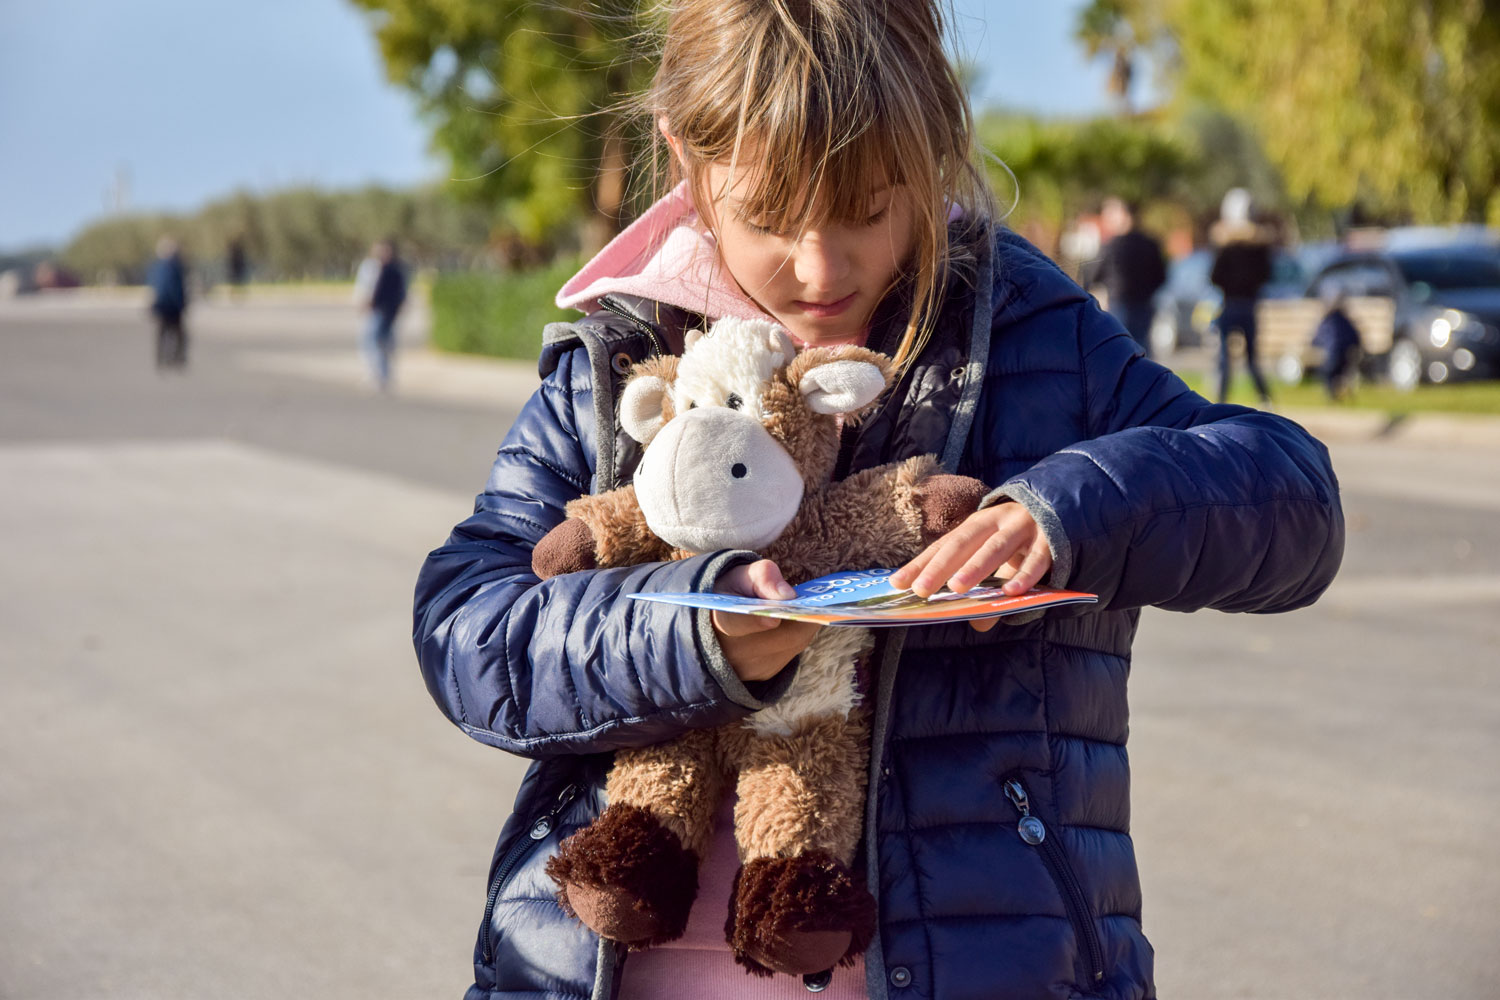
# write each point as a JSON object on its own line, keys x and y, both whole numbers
{"x": 737, "y": 427}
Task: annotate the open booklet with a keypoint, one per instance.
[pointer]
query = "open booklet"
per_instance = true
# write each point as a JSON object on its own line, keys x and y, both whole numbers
{"x": 866, "y": 598}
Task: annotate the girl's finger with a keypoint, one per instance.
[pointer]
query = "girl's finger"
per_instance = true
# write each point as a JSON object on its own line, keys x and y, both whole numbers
{"x": 902, "y": 578}
{"x": 768, "y": 583}
{"x": 957, "y": 547}
{"x": 731, "y": 624}
{"x": 1038, "y": 560}
{"x": 983, "y": 563}
{"x": 983, "y": 624}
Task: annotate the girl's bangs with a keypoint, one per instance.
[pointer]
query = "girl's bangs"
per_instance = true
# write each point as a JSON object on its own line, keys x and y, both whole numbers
{"x": 794, "y": 180}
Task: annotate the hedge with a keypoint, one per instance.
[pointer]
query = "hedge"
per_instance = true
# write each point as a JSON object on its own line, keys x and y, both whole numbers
{"x": 500, "y": 315}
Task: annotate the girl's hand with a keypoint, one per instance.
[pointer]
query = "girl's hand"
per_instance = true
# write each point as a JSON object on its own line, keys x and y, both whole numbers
{"x": 1000, "y": 538}
{"x": 758, "y": 647}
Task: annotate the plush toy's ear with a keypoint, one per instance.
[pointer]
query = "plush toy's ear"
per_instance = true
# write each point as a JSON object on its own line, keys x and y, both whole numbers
{"x": 842, "y": 386}
{"x": 691, "y": 337}
{"x": 643, "y": 406}
{"x": 783, "y": 349}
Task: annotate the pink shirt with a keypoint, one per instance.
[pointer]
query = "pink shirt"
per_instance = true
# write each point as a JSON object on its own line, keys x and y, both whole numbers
{"x": 698, "y": 966}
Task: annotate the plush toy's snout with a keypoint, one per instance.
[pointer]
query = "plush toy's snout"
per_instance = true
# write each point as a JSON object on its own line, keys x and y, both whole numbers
{"x": 714, "y": 478}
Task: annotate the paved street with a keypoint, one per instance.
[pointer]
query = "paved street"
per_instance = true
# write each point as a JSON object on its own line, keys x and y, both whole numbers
{"x": 224, "y": 778}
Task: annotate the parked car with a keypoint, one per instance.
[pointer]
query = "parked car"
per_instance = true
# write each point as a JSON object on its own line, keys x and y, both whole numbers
{"x": 1187, "y": 304}
{"x": 1442, "y": 304}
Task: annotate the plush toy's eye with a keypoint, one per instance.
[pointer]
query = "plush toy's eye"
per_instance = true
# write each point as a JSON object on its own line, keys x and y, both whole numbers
{"x": 734, "y": 402}
{"x": 692, "y": 405}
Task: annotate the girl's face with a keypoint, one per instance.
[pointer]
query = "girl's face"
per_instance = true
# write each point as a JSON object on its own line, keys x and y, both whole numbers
{"x": 823, "y": 286}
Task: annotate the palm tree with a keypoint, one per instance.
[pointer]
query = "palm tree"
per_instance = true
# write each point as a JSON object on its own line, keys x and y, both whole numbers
{"x": 1108, "y": 28}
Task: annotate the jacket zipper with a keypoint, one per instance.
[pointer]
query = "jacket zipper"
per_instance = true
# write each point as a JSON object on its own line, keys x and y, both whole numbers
{"x": 523, "y": 846}
{"x": 1033, "y": 831}
{"x": 614, "y": 306}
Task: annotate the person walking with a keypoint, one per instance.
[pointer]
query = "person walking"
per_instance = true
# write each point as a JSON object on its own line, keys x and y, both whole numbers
{"x": 1131, "y": 269}
{"x": 824, "y": 174}
{"x": 380, "y": 287}
{"x": 167, "y": 280}
{"x": 1242, "y": 264}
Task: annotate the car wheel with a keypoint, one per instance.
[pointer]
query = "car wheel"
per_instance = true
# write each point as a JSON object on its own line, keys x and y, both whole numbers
{"x": 1404, "y": 366}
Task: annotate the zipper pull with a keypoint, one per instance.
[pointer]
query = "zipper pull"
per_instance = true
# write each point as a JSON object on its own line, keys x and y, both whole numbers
{"x": 543, "y": 826}
{"x": 1031, "y": 829}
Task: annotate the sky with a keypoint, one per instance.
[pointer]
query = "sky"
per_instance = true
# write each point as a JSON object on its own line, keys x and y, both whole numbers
{"x": 172, "y": 103}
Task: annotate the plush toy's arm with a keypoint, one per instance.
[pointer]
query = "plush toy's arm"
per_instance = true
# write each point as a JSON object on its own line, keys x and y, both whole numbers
{"x": 602, "y": 530}
{"x": 879, "y": 517}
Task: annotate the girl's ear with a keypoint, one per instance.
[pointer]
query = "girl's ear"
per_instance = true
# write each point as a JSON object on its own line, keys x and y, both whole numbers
{"x": 673, "y": 143}
{"x": 643, "y": 407}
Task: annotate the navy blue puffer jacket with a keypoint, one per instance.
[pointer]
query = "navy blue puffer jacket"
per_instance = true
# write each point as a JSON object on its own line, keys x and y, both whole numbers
{"x": 1148, "y": 495}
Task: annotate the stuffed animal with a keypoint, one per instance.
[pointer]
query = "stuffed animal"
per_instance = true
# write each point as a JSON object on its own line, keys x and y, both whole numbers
{"x": 741, "y": 437}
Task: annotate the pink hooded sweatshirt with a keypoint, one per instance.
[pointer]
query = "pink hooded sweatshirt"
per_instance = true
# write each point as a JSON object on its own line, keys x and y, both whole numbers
{"x": 667, "y": 256}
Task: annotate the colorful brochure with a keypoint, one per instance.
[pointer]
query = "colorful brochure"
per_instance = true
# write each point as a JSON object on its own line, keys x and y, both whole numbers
{"x": 866, "y": 598}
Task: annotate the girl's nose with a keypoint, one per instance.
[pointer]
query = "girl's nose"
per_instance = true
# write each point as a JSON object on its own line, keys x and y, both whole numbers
{"x": 823, "y": 261}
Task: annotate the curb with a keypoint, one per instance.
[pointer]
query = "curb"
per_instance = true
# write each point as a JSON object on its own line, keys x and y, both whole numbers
{"x": 1451, "y": 430}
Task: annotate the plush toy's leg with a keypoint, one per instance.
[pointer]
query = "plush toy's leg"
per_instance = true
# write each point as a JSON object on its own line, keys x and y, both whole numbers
{"x": 797, "y": 908}
{"x": 632, "y": 874}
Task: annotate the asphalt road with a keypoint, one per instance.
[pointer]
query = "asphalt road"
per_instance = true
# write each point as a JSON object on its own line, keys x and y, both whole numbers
{"x": 223, "y": 776}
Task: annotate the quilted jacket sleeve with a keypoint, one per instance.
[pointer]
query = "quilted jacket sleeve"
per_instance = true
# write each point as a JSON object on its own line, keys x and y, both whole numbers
{"x": 1174, "y": 502}
{"x": 569, "y": 665}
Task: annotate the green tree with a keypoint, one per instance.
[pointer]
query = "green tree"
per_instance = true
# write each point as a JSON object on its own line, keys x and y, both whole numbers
{"x": 1393, "y": 106}
{"x": 525, "y": 98}
{"x": 292, "y": 234}
{"x": 1063, "y": 168}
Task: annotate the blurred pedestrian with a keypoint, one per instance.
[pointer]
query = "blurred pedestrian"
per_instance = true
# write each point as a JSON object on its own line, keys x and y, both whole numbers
{"x": 1131, "y": 269}
{"x": 167, "y": 280}
{"x": 237, "y": 267}
{"x": 1242, "y": 264}
{"x": 1338, "y": 338}
{"x": 380, "y": 288}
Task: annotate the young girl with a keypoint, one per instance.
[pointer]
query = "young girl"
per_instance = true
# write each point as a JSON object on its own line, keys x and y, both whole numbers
{"x": 829, "y": 181}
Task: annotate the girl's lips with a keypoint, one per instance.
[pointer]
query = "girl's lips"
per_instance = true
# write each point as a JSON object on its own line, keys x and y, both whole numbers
{"x": 826, "y": 310}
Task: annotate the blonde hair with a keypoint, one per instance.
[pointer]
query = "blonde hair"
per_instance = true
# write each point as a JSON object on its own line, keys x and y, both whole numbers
{"x": 825, "y": 96}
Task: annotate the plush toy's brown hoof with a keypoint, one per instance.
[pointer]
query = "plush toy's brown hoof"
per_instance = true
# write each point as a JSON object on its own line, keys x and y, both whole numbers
{"x": 567, "y": 548}
{"x": 946, "y": 500}
{"x": 798, "y": 915}
{"x": 627, "y": 877}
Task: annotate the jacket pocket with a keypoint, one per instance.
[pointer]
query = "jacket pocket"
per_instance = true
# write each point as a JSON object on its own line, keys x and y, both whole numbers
{"x": 518, "y": 851}
{"x": 1034, "y": 832}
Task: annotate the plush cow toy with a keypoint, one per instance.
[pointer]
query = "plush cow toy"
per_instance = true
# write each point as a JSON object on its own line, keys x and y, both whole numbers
{"x": 742, "y": 435}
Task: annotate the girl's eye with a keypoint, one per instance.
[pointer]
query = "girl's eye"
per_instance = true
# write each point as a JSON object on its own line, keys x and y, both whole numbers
{"x": 872, "y": 220}
{"x": 734, "y": 402}
{"x": 760, "y": 230}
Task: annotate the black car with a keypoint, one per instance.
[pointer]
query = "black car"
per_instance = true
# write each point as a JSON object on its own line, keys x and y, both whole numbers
{"x": 1447, "y": 308}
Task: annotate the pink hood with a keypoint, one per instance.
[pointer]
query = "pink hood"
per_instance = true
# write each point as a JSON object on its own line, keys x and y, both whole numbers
{"x": 666, "y": 256}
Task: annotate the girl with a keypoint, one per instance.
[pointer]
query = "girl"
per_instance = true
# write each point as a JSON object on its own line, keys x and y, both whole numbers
{"x": 828, "y": 179}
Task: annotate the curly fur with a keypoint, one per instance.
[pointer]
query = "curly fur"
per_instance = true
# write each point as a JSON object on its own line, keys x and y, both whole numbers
{"x": 803, "y": 792}
{"x": 788, "y": 910}
{"x": 650, "y": 877}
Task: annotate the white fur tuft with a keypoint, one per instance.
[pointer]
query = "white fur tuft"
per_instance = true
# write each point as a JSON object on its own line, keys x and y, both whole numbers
{"x": 824, "y": 684}
{"x": 736, "y": 357}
